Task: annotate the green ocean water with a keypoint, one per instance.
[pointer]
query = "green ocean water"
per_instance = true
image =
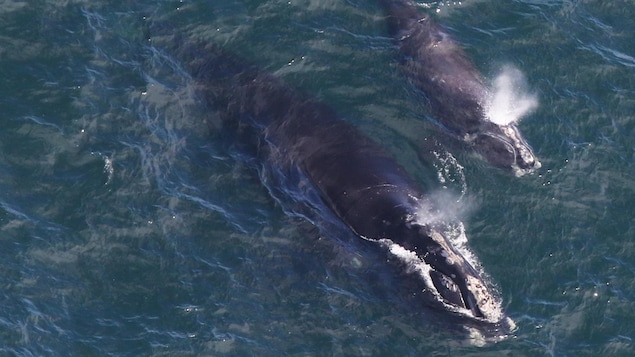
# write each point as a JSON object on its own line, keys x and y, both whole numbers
{"x": 130, "y": 226}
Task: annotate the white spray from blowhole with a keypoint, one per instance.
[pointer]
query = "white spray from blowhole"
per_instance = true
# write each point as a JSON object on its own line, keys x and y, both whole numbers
{"x": 444, "y": 206}
{"x": 446, "y": 211}
{"x": 511, "y": 99}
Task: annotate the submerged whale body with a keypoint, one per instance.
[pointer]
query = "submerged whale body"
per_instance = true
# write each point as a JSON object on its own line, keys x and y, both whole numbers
{"x": 365, "y": 187}
{"x": 454, "y": 89}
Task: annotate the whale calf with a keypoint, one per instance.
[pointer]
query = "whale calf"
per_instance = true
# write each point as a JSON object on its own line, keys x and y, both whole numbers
{"x": 357, "y": 179}
{"x": 454, "y": 88}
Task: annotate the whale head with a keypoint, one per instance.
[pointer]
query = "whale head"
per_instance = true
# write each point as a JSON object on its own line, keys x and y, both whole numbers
{"x": 504, "y": 146}
{"x": 447, "y": 275}
{"x": 455, "y": 280}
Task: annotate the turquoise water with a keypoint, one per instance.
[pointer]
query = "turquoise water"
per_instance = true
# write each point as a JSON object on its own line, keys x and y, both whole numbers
{"x": 132, "y": 225}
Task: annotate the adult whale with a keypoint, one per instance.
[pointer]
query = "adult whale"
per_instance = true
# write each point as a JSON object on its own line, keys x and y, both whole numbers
{"x": 454, "y": 89}
{"x": 358, "y": 180}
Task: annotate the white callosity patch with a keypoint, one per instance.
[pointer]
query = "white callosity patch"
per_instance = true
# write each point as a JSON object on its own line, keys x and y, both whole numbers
{"x": 490, "y": 306}
{"x": 523, "y": 150}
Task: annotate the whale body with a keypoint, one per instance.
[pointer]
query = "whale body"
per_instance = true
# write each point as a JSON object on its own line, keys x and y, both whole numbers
{"x": 357, "y": 179}
{"x": 454, "y": 89}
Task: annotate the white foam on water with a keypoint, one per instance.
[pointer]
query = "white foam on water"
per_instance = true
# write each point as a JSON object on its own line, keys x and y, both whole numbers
{"x": 416, "y": 265}
{"x": 450, "y": 171}
{"x": 511, "y": 99}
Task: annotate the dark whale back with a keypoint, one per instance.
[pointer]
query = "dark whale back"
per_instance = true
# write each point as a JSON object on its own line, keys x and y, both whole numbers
{"x": 341, "y": 162}
{"x": 437, "y": 66}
